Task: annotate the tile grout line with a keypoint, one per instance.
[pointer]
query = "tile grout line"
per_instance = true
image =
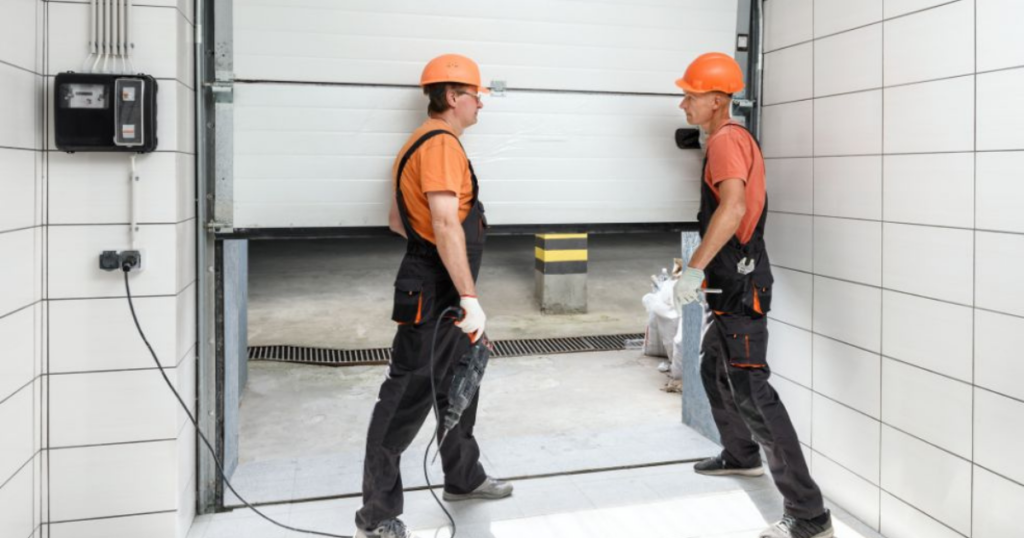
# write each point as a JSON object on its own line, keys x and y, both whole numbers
{"x": 974, "y": 283}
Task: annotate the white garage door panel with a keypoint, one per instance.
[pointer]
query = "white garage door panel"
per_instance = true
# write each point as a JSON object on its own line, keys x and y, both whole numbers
{"x": 544, "y": 44}
{"x": 314, "y": 156}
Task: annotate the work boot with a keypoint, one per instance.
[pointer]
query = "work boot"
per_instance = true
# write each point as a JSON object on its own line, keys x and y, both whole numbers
{"x": 792, "y": 527}
{"x": 389, "y": 528}
{"x": 492, "y": 488}
{"x": 717, "y": 466}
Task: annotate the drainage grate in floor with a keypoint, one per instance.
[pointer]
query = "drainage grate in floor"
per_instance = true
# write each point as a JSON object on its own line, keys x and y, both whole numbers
{"x": 502, "y": 348}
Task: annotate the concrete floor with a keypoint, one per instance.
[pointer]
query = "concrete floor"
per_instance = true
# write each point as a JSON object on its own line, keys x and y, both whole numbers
{"x": 338, "y": 293}
{"x": 303, "y": 427}
{"x": 668, "y": 501}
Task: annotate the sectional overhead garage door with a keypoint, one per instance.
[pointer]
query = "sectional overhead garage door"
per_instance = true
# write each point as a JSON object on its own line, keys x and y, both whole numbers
{"x": 327, "y": 93}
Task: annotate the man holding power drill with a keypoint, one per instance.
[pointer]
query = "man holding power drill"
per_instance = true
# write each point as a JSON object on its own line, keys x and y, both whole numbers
{"x": 437, "y": 209}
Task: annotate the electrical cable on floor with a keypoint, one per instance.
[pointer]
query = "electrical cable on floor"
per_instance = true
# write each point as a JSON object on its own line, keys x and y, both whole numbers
{"x": 195, "y": 424}
{"x": 437, "y": 415}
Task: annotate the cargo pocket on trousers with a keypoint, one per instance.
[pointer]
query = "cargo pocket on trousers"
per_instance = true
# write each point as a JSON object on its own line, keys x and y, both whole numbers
{"x": 410, "y": 302}
{"x": 746, "y": 341}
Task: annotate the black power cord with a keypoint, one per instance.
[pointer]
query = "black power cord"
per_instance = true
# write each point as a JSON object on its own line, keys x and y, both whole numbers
{"x": 195, "y": 424}
{"x": 437, "y": 413}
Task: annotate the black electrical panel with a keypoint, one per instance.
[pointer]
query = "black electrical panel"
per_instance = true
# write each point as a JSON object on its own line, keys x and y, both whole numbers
{"x": 103, "y": 112}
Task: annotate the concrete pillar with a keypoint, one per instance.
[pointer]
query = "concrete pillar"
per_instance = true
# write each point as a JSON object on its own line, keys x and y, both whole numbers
{"x": 696, "y": 409}
{"x": 561, "y": 273}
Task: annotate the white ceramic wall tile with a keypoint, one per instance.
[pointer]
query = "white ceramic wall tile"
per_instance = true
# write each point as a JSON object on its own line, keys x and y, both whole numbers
{"x": 788, "y": 238}
{"x": 20, "y": 125}
{"x": 848, "y": 250}
{"x": 938, "y": 483}
{"x": 792, "y": 297}
{"x": 994, "y": 518}
{"x": 999, "y": 434}
{"x": 186, "y": 187}
{"x": 996, "y": 353}
{"x": 155, "y": 525}
{"x": 17, "y": 273}
{"x": 930, "y": 117}
{"x": 186, "y": 241}
{"x": 848, "y": 375}
{"x": 797, "y": 400}
{"x": 18, "y": 189}
{"x": 18, "y": 33}
{"x": 933, "y": 262}
{"x": 17, "y": 443}
{"x": 74, "y": 261}
{"x": 111, "y": 407}
{"x": 900, "y": 520}
{"x": 1000, "y": 191}
{"x": 998, "y": 289}
{"x": 789, "y": 352}
{"x": 856, "y": 495}
{"x": 186, "y": 312}
{"x": 930, "y": 189}
{"x": 895, "y": 8}
{"x": 788, "y": 74}
{"x": 831, "y": 16}
{"x": 93, "y": 188}
{"x": 788, "y": 22}
{"x": 787, "y": 130}
{"x": 16, "y": 514}
{"x": 848, "y": 187}
{"x": 847, "y": 438}
{"x": 848, "y": 124}
{"x": 1000, "y": 41}
{"x": 850, "y": 61}
{"x": 790, "y": 185}
{"x": 937, "y": 43}
{"x": 928, "y": 406}
{"x": 847, "y": 312}
{"x": 158, "y": 50}
{"x": 930, "y": 334}
{"x": 184, "y": 378}
{"x": 17, "y": 363}
{"x": 105, "y": 481}
{"x": 1000, "y": 119}
{"x": 99, "y": 334}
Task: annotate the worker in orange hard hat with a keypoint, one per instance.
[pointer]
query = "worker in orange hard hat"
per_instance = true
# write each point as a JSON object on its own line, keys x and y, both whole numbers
{"x": 436, "y": 207}
{"x": 732, "y": 257}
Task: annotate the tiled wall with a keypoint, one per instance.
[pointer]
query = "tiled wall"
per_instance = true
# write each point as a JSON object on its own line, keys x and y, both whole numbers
{"x": 91, "y": 441}
{"x": 894, "y": 137}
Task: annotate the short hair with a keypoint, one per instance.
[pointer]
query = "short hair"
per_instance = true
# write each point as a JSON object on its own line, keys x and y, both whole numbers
{"x": 438, "y": 95}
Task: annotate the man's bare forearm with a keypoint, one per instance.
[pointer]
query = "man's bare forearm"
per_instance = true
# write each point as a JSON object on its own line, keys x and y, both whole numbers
{"x": 722, "y": 228}
{"x": 451, "y": 245}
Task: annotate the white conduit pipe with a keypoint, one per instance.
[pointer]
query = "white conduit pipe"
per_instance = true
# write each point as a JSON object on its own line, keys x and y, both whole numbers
{"x": 118, "y": 53}
{"x": 129, "y": 44}
{"x": 105, "y": 30}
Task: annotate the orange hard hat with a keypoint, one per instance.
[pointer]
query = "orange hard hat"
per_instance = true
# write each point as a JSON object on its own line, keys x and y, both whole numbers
{"x": 710, "y": 72}
{"x": 453, "y": 68}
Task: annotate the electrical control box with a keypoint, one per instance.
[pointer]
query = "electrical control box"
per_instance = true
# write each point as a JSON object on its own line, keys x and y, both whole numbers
{"x": 104, "y": 112}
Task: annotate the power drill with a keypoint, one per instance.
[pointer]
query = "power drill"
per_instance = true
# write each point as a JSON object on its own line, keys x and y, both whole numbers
{"x": 469, "y": 373}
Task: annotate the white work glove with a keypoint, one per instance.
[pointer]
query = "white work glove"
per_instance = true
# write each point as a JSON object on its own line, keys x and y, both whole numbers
{"x": 473, "y": 319}
{"x": 686, "y": 289}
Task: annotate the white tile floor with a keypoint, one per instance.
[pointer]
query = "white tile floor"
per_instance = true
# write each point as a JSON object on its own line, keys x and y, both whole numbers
{"x": 654, "y": 502}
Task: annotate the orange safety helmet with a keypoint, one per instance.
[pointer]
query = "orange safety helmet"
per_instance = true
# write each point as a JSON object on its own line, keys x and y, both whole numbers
{"x": 453, "y": 68}
{"x": 710, "y": 72}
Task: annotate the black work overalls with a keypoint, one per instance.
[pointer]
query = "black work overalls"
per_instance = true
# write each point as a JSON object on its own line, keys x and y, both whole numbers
{"x": 734, "y": 367}
{"x": 423, "y": 290}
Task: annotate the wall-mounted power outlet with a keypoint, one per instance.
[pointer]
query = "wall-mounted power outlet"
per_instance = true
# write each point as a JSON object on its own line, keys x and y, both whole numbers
{"x": 129, "y": 261}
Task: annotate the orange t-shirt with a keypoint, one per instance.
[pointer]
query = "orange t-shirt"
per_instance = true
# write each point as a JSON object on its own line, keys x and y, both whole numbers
{"x": 438, "y": 165}
{"x": 733, "y": 154}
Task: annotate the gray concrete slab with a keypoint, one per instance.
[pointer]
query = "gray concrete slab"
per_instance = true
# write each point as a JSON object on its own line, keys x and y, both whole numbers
{"x": 338, "y": 293}
{"x": 303, "y": 427}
